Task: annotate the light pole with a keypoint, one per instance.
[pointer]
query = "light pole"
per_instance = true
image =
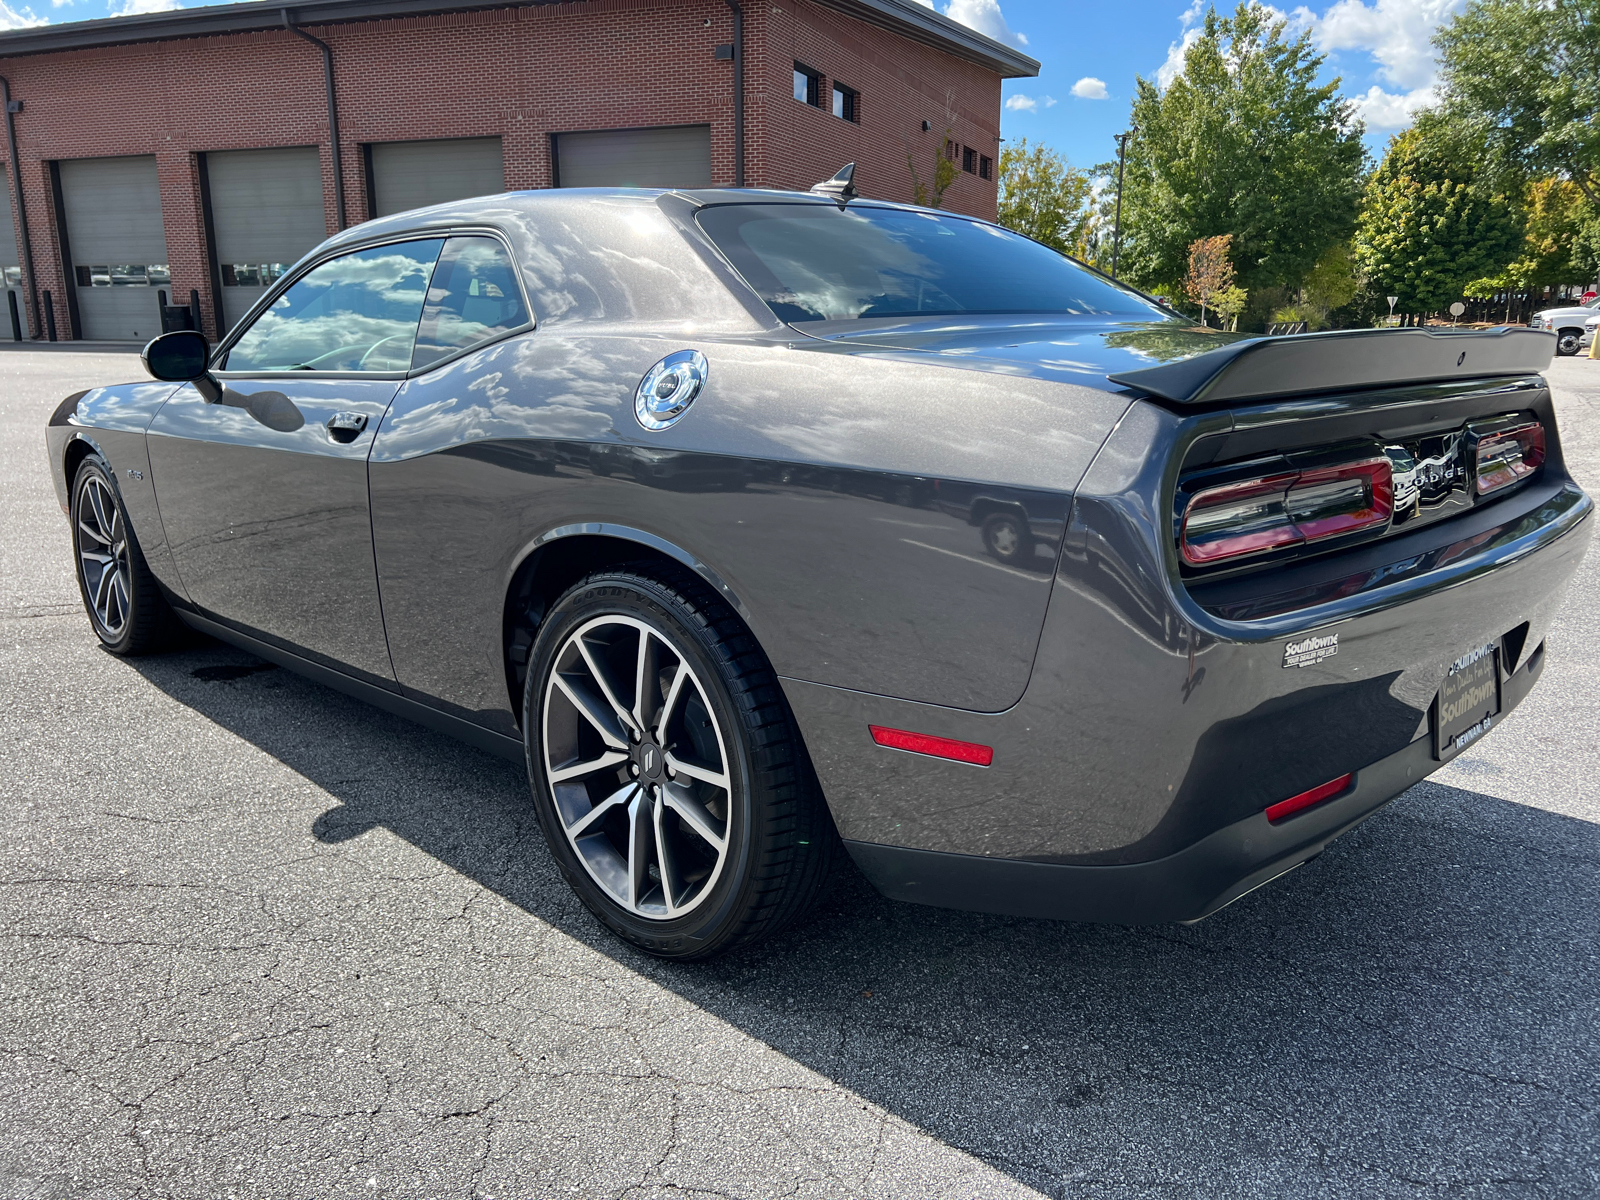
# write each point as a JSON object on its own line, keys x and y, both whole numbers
{"x": 1116, "y": 230}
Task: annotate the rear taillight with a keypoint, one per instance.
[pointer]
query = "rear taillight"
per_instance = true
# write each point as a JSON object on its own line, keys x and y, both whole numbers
{"x": 1507, "y": 456}
{"x": 1288, "y": 509}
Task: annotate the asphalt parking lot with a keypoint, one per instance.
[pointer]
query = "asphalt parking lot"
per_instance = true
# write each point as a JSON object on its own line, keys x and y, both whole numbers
{"x": 262, "y": 941}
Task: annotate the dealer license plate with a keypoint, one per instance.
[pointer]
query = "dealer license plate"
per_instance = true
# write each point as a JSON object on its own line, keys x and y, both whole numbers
{"x": 1468, "y": 702}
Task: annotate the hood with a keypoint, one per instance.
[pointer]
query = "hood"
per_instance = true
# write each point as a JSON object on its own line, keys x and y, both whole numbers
{"x": 1084, "y": 350}
{"x": 1567, "y": 310}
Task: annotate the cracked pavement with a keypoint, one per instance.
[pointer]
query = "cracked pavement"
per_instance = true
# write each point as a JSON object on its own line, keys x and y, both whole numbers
{"x": 263, "y": 941}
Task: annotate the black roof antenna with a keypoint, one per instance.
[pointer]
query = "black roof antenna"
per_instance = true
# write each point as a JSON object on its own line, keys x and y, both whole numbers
{"x": 841, "y": 187}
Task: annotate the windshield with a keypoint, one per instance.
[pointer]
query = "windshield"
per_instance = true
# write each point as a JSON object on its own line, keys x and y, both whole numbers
{"x": 814, "y": 262}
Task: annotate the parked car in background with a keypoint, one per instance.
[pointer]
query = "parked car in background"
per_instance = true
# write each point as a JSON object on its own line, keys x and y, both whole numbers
{"x": 1566, "y": 323}
{"x": 767, "y": 526}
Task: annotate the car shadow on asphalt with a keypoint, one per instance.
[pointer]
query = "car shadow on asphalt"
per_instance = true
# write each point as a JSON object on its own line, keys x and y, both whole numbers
{"x": 1423, "y": 993}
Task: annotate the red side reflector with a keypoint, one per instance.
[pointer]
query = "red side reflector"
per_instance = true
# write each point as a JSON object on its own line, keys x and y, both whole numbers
{"x": 1294, "y": 804}
{"x": 934, "y": 747}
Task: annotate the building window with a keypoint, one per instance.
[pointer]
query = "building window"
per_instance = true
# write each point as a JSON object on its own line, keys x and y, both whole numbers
{"x": 985, "y": 167}
{"x": 969, "y": 160}
{"x": 950, "y": 149}
{"x": 846, "y": 102}
{"x": 807, "y": 85}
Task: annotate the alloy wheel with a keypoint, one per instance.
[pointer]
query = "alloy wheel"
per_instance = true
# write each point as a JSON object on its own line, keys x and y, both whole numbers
{"x": 638, "y": 766}
{"x": 102, "y": 539}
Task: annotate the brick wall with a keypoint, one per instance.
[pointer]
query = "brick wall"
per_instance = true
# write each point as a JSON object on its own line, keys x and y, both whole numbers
{"x": 516, "y": 73}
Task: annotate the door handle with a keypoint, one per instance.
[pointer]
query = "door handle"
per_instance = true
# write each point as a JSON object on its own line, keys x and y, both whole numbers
{"x": 346, "y": 426}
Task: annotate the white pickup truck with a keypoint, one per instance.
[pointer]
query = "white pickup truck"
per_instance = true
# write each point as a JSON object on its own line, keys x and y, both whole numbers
{"x": 1567, "y": 323}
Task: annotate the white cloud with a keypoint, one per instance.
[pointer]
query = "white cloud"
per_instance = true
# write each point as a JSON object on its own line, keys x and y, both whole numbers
{"x": 983, "y": 15}
{"x": 1397, "y": 33}
{"x": 1090, "y": 88}
{"x": 1190, "y": 15}
{"x": 1022, "y": 103}
{"x": 19, "y": 18}
{"x": 1389, "y": 110}
{"x": 129, "y": 7}
{"x": 1173, "y": 67}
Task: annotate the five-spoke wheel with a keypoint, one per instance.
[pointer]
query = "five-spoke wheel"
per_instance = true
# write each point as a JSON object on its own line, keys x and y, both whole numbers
{"x": 124, "y": 603}
{"x": 671, "y": 783}
{"x": 102, "y": 542}
{"x": 638, "y": 766}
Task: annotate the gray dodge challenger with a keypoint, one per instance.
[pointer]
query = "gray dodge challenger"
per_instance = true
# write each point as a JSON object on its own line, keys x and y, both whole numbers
{"x": 767, "y": 527}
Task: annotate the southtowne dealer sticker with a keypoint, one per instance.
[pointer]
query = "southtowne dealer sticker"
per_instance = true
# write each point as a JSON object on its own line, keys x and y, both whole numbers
{"x": 1310, "y": 651}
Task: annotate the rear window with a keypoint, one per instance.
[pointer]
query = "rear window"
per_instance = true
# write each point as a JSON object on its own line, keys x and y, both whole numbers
{"x": 814, "y": 262}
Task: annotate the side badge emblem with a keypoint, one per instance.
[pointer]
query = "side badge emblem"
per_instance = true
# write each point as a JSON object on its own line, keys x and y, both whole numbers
{"x": 668, "y": 389}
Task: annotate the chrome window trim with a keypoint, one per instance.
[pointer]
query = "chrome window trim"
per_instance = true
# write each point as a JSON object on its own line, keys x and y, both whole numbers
{"x": 287, "y": 281}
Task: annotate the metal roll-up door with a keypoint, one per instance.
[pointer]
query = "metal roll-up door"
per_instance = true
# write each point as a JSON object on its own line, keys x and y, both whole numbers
{"x": 266, "y": 212}
{"x": 406, "y": 175}
{"x": 11, "y": 266}
{"x": 117, "y": 244}
{"x": 675, "y": 157}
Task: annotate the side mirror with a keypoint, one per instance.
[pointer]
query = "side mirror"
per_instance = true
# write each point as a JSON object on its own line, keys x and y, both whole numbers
{"x": 182, "y": 356}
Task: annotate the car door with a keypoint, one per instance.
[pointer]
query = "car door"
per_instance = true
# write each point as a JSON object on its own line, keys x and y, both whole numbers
{"x": 264, "y": 493}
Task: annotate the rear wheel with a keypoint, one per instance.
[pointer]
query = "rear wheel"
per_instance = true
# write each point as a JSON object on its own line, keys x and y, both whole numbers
{"x": 1567, "y": 341}
{"x": 1006, "y": 536}
{"x": 671, "y": 784}
{"x": 124, "y": 603}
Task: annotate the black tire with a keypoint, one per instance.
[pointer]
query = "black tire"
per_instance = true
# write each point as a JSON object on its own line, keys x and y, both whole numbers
{"x": 124, "y": 603}
{"x": 1567, "y": 342}
{"x": 780, "y": 845}
{"x": 1007, "y": 537}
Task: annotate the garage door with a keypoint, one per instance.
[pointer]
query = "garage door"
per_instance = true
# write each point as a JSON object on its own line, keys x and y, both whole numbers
{"x": 10, "y": 268}
{"x": 266, "y": 211}
{"x": 409, "y": 175}
{"x": 118, "y": 246}
{"x": 676, "y": 157}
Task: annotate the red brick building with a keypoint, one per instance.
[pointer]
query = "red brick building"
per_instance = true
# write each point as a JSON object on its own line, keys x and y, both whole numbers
{"x": 190, "y": 150}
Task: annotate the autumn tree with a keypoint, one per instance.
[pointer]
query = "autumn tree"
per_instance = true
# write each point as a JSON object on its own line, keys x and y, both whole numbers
{"x": 1210, "y": 270}
{"x": 1244, "y": 140}
{"x": 1044, "y": 197}
{"x": 1557, "y": 243}
{"x": 1430, "y": 225}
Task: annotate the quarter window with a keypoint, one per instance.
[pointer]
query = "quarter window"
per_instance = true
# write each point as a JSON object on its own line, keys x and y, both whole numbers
{"x": 358, "y": 312}
{"x": 473, "y": 298}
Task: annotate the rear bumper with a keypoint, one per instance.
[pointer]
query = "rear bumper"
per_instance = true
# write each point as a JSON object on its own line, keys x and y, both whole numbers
{"x": 1185, "y": 886}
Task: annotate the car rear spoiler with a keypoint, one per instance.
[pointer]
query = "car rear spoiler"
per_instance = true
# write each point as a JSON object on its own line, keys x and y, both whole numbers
{"x": 1343, "y": 360}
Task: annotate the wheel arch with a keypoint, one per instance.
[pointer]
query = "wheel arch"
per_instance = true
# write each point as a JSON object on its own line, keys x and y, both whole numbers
{"x": 556, "y": 560}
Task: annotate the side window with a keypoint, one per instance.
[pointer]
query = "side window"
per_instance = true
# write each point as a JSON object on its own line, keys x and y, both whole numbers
{"x": 357, "y": 312}
{"x": 473, "y": 298}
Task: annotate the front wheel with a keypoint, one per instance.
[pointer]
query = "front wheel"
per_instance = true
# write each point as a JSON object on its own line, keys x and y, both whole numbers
{"x": 671, "y": 783}
{"x": 1567, "y": 342}
{"x": 124, "y": 603}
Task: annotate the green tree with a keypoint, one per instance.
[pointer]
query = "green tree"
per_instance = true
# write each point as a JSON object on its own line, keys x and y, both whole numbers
{"x": 1526, "y": 75}
{"x": 1332, "y": 284}
{"x": 1243, "y": 141}
{"x": 1428, "y": 228}
{"x": 1554, "y": 247}
{"x": 944, "y": 174}
{"x": 1044, "y": 196}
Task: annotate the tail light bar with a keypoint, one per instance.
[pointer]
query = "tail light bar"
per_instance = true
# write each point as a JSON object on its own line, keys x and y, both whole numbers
{"x": 1507, "y": 456}
{"x": 1289, "y": 508}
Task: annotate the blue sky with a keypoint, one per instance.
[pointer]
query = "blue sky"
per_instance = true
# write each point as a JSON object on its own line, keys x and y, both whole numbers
{"x": 1092, "y": 52}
